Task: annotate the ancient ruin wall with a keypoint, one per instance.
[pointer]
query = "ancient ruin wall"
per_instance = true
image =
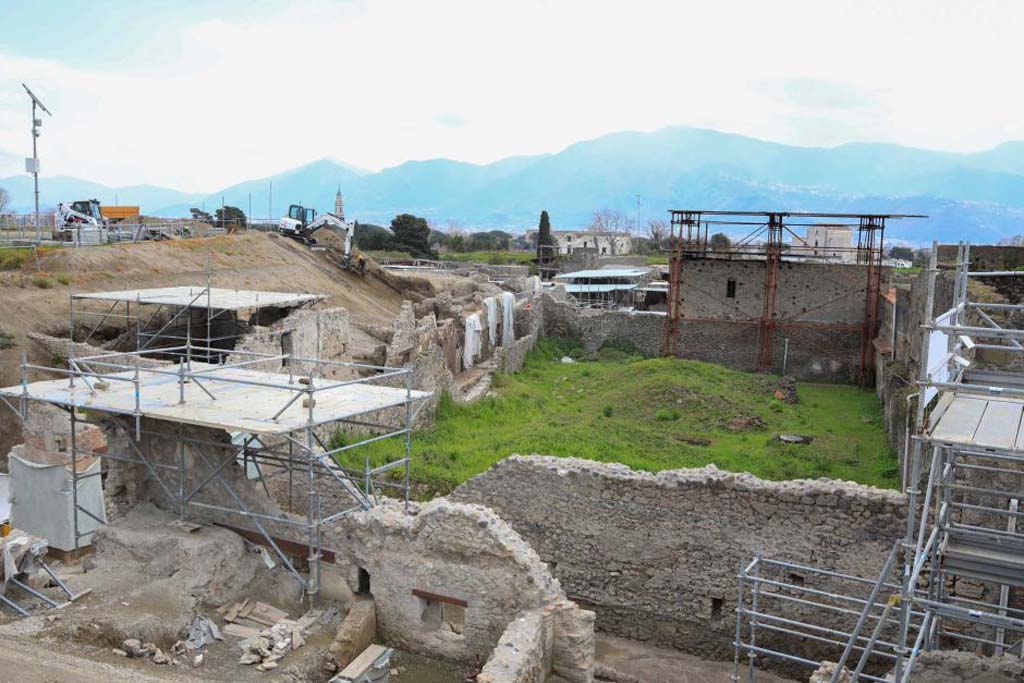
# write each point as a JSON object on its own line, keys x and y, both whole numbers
{"x": 809, "y": 292}
{"x": 304, "y": 333}
{"x": 656, "y": 556}
{"x": 456, "y": 553}
{"x": 817, "y": 352}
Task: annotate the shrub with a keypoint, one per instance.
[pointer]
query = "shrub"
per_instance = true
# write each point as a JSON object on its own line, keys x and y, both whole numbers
{"x": 607, "y": 411}
{"x": 43, "y": 282}
{"x": 666, "y": 415}
{"x": 64, "y": 278}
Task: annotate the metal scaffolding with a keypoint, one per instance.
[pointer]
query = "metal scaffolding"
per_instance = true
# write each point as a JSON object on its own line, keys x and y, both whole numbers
{"x": 171, "y": 316}
{"x": 280, "y": 424}
{"x": 962, "y": 513}
{"x": 688, "y": 237}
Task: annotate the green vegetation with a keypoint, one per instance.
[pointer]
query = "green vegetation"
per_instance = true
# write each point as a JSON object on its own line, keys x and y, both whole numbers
{"x": 494, "y": 258}
{"x": 43, "y": 281}
{"x": 63, "y": 278}
{"x": 650, "y": 414}
{"x": 380, "y": 255}
{"x": 13, "y": 259}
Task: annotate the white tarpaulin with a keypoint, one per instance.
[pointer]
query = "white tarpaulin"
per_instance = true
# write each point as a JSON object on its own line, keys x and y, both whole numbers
{"x": 491, "y": 306}
{"x": 5, "y": 497}
{"x": 938, "y": 348}
{"x": 508, "y": 315}
{"x": 41, "y": 500}
{"x": 471, "y": 344}
{"x": 533, "y": 284}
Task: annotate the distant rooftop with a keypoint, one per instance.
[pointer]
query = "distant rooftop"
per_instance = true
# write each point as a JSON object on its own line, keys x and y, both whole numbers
{"x": 604, "y": 273}
{"x": 597, "y": 289}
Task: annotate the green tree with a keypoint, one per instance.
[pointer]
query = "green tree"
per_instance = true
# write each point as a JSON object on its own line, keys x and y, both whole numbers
{"x": 412, "y": 234}
{"x": 544, "y": 236}
{"x": 371, "y": 237}
{"x": 903, "y": 253}
{"x": 200, "y": 215}
{"x": 229, "y": 215}
{"x": 720, "y": 241}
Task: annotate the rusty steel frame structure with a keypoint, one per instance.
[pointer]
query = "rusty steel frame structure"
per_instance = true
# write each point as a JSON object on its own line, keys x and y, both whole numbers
{"x": 765, "y": 241}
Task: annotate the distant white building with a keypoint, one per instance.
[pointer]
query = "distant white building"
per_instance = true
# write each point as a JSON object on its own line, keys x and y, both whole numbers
{"x": 833, "y": 242}
{"x": 589, "y": 242}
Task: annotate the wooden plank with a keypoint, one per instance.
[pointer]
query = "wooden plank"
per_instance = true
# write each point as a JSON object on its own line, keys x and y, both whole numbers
{"x": 999, "y": 424}
{"x": 358, "y": 666}
{"x": 233, "y": 611}
{"x": 268, "y": 614}
{"x": 240, "y": 631}
{"x": 250, "y": 623}
{"x": 299, "y": 551}
{"x": 435, "y": 597}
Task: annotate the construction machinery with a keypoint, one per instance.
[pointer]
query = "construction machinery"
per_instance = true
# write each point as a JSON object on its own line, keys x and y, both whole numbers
{"x": 81, "y": 222}
{"x": 116, "y": 214}
{"x": 301, "y": 223}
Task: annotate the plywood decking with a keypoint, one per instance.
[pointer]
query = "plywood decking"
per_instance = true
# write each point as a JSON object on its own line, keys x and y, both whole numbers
{"x": 218, "y": 299}
{"x": 238, "y": 407}
{"x": 979, "y": 422}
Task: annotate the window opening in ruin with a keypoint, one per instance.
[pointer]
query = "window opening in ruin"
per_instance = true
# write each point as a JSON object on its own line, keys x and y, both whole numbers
{"x": 364, "y": 582}
{"x": 716, "y": 608}
{"x": 730, "y": 288}
{"x": 796, "y": 579}
{"x": 286, "y": 347}
{"x": 604, "y": 250}
{"x": 441, "y": 613}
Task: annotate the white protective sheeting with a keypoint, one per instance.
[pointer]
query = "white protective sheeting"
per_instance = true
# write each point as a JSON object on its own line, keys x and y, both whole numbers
{"x": 41, "y": 501}
{"x": 533, "y": 284}
{"x": 938, "y": 348}
{"x": 491, "y": 306}
{"x": 5, "y": 497}
{"x": 471, "y": 344}
{"x": 508, "y": 316}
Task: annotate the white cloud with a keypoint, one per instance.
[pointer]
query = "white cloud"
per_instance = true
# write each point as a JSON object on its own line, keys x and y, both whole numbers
{"x": 377, "y": 83}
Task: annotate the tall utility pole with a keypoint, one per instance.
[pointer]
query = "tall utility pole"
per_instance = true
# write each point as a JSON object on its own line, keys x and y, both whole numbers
{"x": 636, "y": 228}
{"x": 32, "y": 165}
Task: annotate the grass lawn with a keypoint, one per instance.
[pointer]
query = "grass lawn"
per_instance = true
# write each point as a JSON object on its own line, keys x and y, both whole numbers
{"x": 494, "y": 258}
{"x": 651, "y": 414}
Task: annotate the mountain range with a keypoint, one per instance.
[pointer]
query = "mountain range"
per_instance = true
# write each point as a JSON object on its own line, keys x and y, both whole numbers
{"x": 978, "y": 196}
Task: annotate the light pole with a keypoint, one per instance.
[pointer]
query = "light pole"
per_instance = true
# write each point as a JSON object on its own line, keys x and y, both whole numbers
{"x": 32, "y": 165}
{"x": 636, "y": 229}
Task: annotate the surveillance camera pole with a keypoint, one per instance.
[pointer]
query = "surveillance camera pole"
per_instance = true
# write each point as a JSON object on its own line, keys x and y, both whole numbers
{"x": 35, "y": 166}
{"x": 36, "y": 123}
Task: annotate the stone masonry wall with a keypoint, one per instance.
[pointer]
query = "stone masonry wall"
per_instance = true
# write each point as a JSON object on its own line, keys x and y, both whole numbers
{"x": 297, "y": 334}
{"x": 817, "y": 292}
{"x": 523, "y": 655}
{"x": 814, "y": 352}
{"x": 656, "y": 556}
{"x": 457, "y": 553}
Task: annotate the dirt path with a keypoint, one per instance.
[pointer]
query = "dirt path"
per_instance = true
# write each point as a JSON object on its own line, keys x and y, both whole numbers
{"x": 659, "y": 665}
{"x": 29, "y": 661}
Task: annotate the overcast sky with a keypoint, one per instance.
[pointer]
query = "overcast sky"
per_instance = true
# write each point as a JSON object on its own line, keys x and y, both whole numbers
{"x": 197, "y": 96}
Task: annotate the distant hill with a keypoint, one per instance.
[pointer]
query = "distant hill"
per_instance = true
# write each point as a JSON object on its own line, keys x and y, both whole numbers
{"x": 978, "y": 195}
{"x": 64, "y": 188}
